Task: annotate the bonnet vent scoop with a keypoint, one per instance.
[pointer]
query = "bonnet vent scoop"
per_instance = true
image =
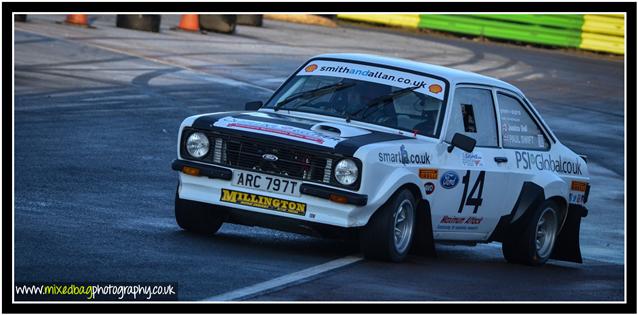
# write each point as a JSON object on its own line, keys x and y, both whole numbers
{"x": 339, "y": 130}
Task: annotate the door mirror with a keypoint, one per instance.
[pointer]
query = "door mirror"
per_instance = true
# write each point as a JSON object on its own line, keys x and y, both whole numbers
{"x": 463, "y": 142}
{"x": 254, "y": 105}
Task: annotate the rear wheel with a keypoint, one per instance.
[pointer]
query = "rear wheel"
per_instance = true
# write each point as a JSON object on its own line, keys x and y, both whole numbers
{"x": 197, "y": 217}
{"x": 388, "y": 235}
{"x": 535, "y": 244}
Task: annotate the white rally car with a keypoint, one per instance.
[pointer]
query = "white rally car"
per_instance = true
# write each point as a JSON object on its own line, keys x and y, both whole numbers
{"x": 399, "y": 154}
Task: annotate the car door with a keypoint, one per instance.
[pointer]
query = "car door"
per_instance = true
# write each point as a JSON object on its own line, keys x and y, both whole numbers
{"x": 525, "y": 144}
{"x": 468, "y": 199}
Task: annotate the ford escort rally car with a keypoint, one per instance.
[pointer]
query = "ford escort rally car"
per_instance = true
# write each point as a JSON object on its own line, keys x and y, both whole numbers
{"x": 398, "y": 153}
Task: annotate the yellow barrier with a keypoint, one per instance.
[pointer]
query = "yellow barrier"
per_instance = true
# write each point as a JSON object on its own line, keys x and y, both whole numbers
{"x": 604, "y": 25}
{"x": 600, "y": 42}
{"x": 302, "y": 19}
{"x": 599, "y": 32}
{"x": 603, "y": 32}
{"x": 403, "y": 20}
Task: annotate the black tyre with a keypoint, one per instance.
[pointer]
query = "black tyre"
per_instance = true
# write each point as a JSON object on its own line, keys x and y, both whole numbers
{"x": 197, "y": 217}
{"x": 388, "y": 234}
{"x": 140, "y": 22}
{"x": 534, "y": 244}
{"x": 20, "y": 17}
{"x": 218, "y": 23}
{"x": 250, "y": 19}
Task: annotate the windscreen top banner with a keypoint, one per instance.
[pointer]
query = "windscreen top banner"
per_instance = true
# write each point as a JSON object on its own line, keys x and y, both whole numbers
{"x": 400, "y": 79}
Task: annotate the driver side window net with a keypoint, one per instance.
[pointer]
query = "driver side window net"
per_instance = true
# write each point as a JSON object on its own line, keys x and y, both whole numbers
{"x": 473, "y": 115}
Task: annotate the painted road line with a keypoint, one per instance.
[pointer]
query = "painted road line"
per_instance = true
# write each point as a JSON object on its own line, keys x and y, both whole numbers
{"x": 284, "y": 281}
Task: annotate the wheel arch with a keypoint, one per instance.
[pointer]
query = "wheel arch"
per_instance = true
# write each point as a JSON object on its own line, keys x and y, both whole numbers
{"x": 562, "y": 207}
{"x": 533, "y": 195}
{"x": 414, "y": 189}
{"x": 423, "y": 235}
{"x": 391, "y": 184}
{"x": 556, "y": 190}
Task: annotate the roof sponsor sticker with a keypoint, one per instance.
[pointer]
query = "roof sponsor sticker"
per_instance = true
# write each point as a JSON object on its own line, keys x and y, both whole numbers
{"x": 400, "y": 79}
{"x": 283, "y": 131}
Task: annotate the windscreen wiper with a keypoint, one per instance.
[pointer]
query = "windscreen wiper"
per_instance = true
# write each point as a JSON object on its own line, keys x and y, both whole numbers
{"x": 313, "y": 93}
{"x": 383, "y": 99}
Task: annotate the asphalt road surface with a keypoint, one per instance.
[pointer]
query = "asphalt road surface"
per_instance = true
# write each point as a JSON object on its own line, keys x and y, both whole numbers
{"x": 96, "y": 118}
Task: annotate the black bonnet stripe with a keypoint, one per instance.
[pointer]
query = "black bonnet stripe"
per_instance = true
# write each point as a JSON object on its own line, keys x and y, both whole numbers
{"x": 350, "y": 146}
{"x": 347, "y": 147}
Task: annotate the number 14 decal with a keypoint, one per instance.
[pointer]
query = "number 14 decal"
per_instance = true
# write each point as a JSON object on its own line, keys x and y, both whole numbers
{"x": 471, "y": 201}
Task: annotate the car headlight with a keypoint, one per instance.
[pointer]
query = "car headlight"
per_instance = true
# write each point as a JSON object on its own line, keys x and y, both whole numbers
{"x": 346, "y": 172}
{"x": 197, "y": 144}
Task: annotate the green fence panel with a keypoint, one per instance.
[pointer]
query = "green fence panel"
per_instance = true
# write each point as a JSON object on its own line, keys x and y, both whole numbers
{"x": 479, "y": 26}
{"x": 562, "y": 21}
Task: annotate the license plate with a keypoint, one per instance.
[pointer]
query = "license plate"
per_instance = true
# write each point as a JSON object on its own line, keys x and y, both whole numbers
{"x": 266, "y": 183}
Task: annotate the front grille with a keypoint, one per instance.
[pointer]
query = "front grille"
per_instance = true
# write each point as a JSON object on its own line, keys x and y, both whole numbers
{"x": 247, "y": 153}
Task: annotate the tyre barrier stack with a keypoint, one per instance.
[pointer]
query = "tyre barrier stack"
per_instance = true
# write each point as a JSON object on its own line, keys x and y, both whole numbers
{"x": 250, "y": 19}
{"x": 225, "y": 23}
{"x": 222, "y": 23}
{"x": 140, "y": 22}
{"x": 595, "y": 32}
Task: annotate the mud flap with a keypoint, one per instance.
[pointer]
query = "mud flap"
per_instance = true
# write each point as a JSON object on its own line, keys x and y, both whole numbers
{"x": 567, "y": 245}
{"x": 423, "y": 242}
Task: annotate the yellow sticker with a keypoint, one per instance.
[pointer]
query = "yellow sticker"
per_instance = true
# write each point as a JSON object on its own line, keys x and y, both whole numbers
{"x": 263, "y": 202}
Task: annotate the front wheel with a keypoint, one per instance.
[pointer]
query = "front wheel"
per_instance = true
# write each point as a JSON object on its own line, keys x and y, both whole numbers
{"x": 534, "y": 246}
{"x": 197, "y": 217}
{"x": 388, "y": 235}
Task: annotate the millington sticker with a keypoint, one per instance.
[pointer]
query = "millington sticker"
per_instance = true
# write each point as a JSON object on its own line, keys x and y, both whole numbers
{"x": 262, "y": 202}
{"x": 288, "y": 132}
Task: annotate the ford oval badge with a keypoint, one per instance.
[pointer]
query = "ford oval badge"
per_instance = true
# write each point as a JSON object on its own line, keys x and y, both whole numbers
{"x": 270, "y": 157}
{"x": 449, "y": 180}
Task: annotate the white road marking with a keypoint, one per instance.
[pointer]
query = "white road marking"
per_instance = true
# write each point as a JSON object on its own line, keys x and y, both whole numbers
{"x": 284, "y": 281}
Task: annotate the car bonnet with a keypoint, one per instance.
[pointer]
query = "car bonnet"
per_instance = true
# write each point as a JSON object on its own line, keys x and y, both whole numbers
{"x": 308, "y": 133}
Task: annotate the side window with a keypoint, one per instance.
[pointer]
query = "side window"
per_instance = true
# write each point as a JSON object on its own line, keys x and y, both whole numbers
{"x": 473, "y": 115}
{"x": 519, "y": 130}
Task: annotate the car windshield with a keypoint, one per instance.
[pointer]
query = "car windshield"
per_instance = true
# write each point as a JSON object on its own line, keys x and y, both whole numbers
{"x": 379, "y": 96}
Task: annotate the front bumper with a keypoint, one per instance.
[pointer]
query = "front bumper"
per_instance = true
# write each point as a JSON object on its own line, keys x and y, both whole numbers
{"x": 206, "y": 184}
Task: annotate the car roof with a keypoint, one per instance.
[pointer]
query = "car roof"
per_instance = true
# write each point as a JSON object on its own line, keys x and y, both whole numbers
{"x": 453, "y": 75}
